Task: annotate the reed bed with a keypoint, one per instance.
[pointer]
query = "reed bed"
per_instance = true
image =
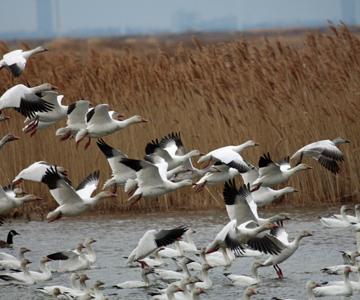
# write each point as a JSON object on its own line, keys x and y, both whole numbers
{"x": 280, "y": 95}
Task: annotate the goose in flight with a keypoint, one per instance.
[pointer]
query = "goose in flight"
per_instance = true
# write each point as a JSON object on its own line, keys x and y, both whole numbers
{"x": 271, "y": 173}
{"x": 72, "y": 202}
{"x": 36, "y": 171}
{"x": 27, "y": 100}
{"x": 154, "y": 239}
{"x": 99, "y": 124}
{"x": 171, "y": 149}
{"x": 326, "y": 152}
{"x": 152, "y": 178}
{"x": 264, "y": 195}
{"x": 9, "y": 240}
{"x": 15, "y": 60}
{"x": 46, "y": 119}
{"x": 9, "y": 199}
{"x": 120, "y": 172}
{"x": 76, "y": 113}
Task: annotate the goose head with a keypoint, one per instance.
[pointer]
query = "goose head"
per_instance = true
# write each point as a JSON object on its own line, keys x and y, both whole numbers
{"x": 340, "y": 140}
{"x": 12, "y": 232}
{"x": 44, "y": 260}
{"x": 250, "y": 291}
{"x": 25, "y": 262}
{"x": 98, "y": 284}
{"x": 301, "y": 167}
{"x": 9, "y": 138}
{"x": 83, "y": 278}
{"x": 45, "y": 87}
{"x": 90, "y": 241}
{"x": 23, "y": 250}
{"x": 310, "y": 285}
{"x": 106, "y": 194}
{"x": 305, "y": 233}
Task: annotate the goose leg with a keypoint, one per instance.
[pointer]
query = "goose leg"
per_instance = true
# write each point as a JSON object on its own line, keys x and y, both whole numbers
{"x": 300, "y": 159}
{"x": 87, "y": 143}
{"x": 280, "y": 272}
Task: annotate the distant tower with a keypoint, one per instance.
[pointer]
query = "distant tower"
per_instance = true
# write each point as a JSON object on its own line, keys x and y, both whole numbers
{"x": 348, "y": 11}
{"x": 45, "y": 20}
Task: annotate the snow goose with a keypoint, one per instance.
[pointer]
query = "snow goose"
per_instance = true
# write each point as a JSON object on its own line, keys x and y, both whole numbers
{"x": 325, "y": 152}
{"x": 221, "y": 258}
{"x": 134, "y": 284}
{"x": 9, "y": 240}
{"x": 120, "y": 172}
{"x": 7, "y": 139}
{"x": 354, "y": 284}
{"x": 271, "y": 173}
{"x": 171, "y": 149}
{"x": 45, "y": 272}
{"x": 337, "y": 222}
{"x": 219, "y": 152}
{"x": 168, "y": 252}
{"x": 264, "y": 195}
{"x": 22, "y": 278}
{"x": 187, "y": 244}
{"x": 9, "y": 199}
{"x": 152, "y": 178}
{"x": 36, "y": 171}
{"x": 349, "y": 218}
{"x": 339, "y": 269}
{"x": 99, "y": 124}
{"x": 170, "y": 275}
{"x": 71, "y": 260}
{"x": 96, "y": 293}
{"x": 26, "y": 100}
{"x": 154, "y": 239}
{"x": 10, "y": 262}
{"x": 16, "y": 60}
{"x": 248, "y": 293}
{"x": 206, "y": 282}
{"x": 49, "y": 290}
{"x": 170, "y": 292}
{"x": 349, "y": 258}
{"x": 336, "y": 290}
{"x": 243, "y": 280}
{"x": 155, "y": 260}
{"x": 57, "y": 294}
{"x": 290, "y": 248}
{"x": 89, "y": 251}
{"x": 46, "y": 119}
{"x": 72, "y": 202}
{"x": 76, "y": 120}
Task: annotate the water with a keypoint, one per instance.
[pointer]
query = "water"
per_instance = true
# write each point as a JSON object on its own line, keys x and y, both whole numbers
{"x": 117, "y": 236}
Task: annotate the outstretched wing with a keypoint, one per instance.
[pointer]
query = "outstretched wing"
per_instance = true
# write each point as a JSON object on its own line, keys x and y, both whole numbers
{"x": 88, "y": 185}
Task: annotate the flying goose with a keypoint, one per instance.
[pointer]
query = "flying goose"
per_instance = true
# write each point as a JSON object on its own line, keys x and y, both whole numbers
{"x": 154, "y": 239}
{"x": 15, "y": 60}
{"x": 325, "y": 152}
{"x": 72, "y": 202}
{"x": 76, "y": 121}
{"x": 290, "y": 248}
{"x": 46, "y": 119}
{"x": 271, "y": 173}
{"x": 9, "y": 240}
{"x": 21, "y": 278}
{"x": 36, "y": 171}
{"x": 99, "y": 124}
{"x": 9, "y": 199}
{"x": 27, "y": 100}
{"x": 263, "y": 195}
{"x": 171, "y": 149}
{"x": 152, "y": 178}
{"x": 120, "y": 172}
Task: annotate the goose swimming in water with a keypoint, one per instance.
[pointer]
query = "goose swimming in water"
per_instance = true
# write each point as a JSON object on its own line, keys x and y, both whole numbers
{"x": 326, "y": 152}
{"x": 10, "y": 262}
{"x": 19, "y": 278}
{"x": 15, "y": 60}
{"x": 9, "y": 240}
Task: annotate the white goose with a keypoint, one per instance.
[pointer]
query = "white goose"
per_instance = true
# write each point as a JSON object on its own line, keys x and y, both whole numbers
{"x": 8, "y": 261}
{"x": 120, "y": 172}
{"x": 135, "y": 284}
{"x": 171, "y": 149}
{"x": 325, "y": 152}
{"x": 264, "y": 195}
{"x": 76, "y": 121}
{"x": 248, "y": 293}
{"x": 152, "y": 178}
{"x": 10, "y": 201}
{"x": 74, "y": 286}
{"x": 45, "y": 272}
{"x": 19, "y": 278}
{"x": 354, "y": 284}
{"x": 336, "y": 290}
{"x": 243, "y": 280}
{"x": 206, "y": 282}
{"x": 36, "y": 171}
{"x": 271, "y": 173}
{"x": 26, "y": 100}
{"x": 289, "y": 250}
{"x": 46, "y": 119}
{"x": 99, "y": 124}
{"x": 89, "y": 251}
{"x": 187, "y": 244}
{"x": 72, "y": 202}
{"x": 336, "y": 221}
{"x": 16, "y": 60}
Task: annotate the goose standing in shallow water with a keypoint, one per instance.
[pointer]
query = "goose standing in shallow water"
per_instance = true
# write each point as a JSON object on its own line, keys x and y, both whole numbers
{"x": 26, "y": 100}
{"x": 99, "y": 124}
{"x": 271, "y": 173}
{"x": 15, "y": 60}
{"x": 72, "y": 202}
{"x": 325, "y": 152}
{"x": 9, "y": 240}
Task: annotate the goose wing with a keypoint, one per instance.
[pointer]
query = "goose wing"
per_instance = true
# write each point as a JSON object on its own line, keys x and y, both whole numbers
{"x": 267, "y": 166}
{"x": 34, "y": 172}
{"x": 77, "y": 111}
{"x": 173, "y": 144}
{"x": 231, "y": 159}
{"x": 88, "y": 185}
{"x": 99, "y": 115}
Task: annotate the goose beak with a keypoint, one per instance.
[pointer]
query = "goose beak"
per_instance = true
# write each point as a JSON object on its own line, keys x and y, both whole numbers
{"x": 144, "y": 120}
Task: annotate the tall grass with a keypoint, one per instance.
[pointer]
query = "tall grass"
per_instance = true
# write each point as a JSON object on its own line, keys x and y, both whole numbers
{"x": 280, "y": 95}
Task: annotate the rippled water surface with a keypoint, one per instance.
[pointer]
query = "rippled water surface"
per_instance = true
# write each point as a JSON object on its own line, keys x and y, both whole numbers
{"x": 117, "y": 236}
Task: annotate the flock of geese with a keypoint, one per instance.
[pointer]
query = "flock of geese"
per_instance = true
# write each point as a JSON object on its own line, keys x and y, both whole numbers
{"x": 166, "y": 167}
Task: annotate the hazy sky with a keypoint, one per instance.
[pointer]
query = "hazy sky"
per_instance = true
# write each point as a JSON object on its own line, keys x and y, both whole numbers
{"x": 20, "y": 15}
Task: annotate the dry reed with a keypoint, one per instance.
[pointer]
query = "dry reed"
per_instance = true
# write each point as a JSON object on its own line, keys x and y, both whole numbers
{"x": 282, "y": 96}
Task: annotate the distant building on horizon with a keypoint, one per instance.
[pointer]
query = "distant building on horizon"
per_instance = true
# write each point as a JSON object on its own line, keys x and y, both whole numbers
{"x": 45, "y": 18}
{"x": 348, "y": 11}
